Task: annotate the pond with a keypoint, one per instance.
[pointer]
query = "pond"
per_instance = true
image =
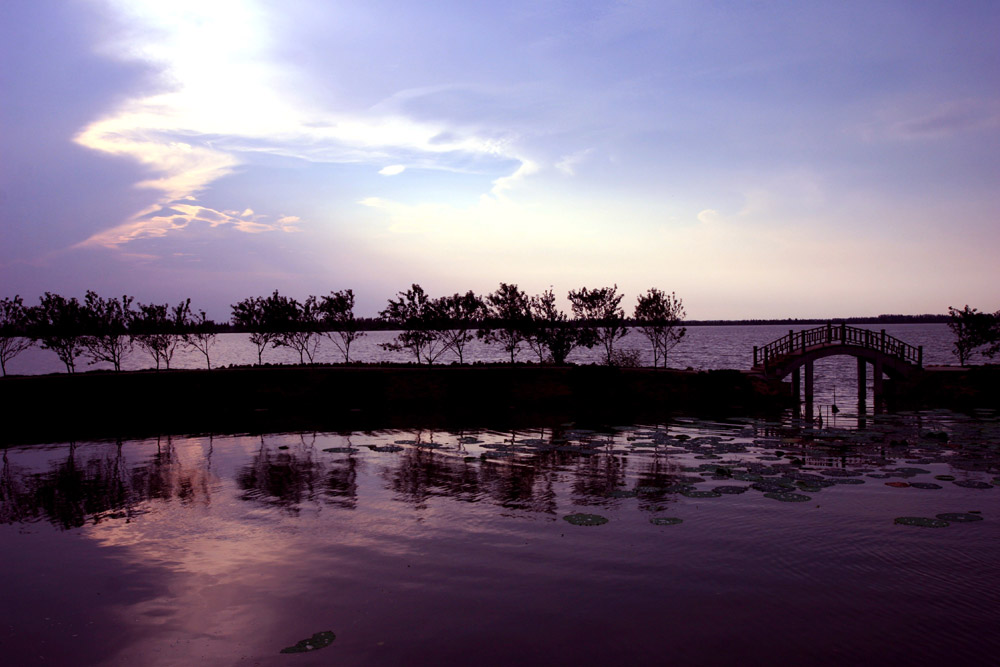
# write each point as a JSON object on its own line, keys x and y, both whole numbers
{"x": 694, "y": 542}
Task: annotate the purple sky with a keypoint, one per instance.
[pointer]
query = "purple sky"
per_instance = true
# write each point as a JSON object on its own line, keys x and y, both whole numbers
{"x": 760, "y": 159}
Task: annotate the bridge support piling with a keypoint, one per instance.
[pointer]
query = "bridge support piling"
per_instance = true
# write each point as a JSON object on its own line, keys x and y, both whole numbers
{"x": 797, "y": 385}
{"x": 877, "y": 383}
{"x": 809, "y": 389}
{"x": 862, "y": 385}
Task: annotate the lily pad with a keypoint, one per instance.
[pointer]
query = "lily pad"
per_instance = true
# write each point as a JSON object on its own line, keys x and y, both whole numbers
{"x": 898, "y": 485}
{"x": 972, "y": 484}
{"x": 945, "y": 478}
{"x": 386, "y": 448}
{"x": 694, "y": 493}
{"x": 731, "y": 490}
{"x": 586, "y": 519}
{"x": 959, "y": 517}
{"x": 926, "y": 485}
{"x": 317, "y": 641}
{"x": 341, "y": 450}
{"x": 665, "y": 520}
{"x": 921, "y": 521}
{"x": 788, "y": 497}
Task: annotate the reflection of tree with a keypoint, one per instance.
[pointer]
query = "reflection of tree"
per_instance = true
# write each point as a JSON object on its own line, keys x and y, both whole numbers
{"x": 96, "y": 484}
{"x": 342, "y": 482}
{"x": 422, "y": 473}
{"x": 284, "y": 478}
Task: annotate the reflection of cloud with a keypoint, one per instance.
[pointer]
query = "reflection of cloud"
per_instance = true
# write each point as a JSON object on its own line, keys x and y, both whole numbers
{"x": 225, "y": 98}
{"x": 159, "y": 220}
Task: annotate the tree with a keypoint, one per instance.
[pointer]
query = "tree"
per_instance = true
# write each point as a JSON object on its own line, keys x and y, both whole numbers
{"x": 601, "y": 316}
{"x": 337, "y": 316}
{"x": 159, "y": 329}
{"x": 412, "y": 313}
{"x": 58, "y": 324}
{"x": 263, "y": 318}
{"x": 972, "y": 330}
{"x": 454, "y": 318}
{"x": 107, "y": 323}
{"x": 509, "y": 320}
{"x": 659, "y": 315}
{"x": 297, "y": 323}
{"x": 552, "y": 335}
{"x": 13, "y": 330}
{"x": 199, "y": 334}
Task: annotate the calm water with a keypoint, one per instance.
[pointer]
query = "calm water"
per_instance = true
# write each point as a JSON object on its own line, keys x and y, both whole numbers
{"x": 703, "y": 348}
{"x": 440, "y": 548}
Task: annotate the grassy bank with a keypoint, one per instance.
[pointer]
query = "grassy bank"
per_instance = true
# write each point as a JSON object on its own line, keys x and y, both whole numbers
{"x": 65, "y": 407}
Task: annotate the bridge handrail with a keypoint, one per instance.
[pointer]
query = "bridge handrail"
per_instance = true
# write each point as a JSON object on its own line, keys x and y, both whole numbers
{"x": 843, "y": 334}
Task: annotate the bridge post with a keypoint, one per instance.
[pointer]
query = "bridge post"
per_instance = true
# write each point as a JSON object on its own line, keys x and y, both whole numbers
{"x": 809, "y": 389}
{"x": 862, "y": 385}
{"x": 796, "y": 385}
{"x": 877, "y": 377}
{"x": 843, "y": 333}
{"x": 920, "y": 356}
{"x": 755, "y": 355}
{"x": 882, "y": 347}
{"x": 829, "y": 332}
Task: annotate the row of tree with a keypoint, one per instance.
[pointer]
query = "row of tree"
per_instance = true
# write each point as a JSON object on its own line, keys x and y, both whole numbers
{"x": 100, "y": 329}
{"x": 974, "y": 331}
{"x": 105, "y": 330}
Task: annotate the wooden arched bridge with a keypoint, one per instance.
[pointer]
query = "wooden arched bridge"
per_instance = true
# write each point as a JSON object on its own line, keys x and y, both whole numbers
{"x": 887, "y": 354}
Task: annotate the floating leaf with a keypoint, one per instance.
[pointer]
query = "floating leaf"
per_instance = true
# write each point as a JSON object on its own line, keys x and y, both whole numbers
{"x": 317, "y": 641}
{"x": 898, "y": 485}
{"x": 694, "y": 493}
{"x": 586, "y": 519}
{"x": 731, "y": 490}
{"x": 926, "y": 485}
{"x": 340, "y": 450}
{"x": 386, "y": 448}
{"x": 788, "y": 497}
{"x": 945, "y": 478}
{"x": 920, "y": 521}
{"x": 665, "y": 521}
{"x": 959, "y": 517}
{"x": 971, "y": 484}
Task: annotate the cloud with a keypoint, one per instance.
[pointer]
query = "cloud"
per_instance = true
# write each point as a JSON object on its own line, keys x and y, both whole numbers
{"x": 568, "y": 163}
{"x": 226, "y": 100}
{"x": 159, "y": 220}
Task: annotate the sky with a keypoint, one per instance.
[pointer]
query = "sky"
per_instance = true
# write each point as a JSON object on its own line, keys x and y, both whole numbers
{"x": 760, "y": 159}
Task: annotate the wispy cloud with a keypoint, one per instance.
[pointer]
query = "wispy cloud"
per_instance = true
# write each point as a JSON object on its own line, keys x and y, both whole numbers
{"x": 226, "y": 100}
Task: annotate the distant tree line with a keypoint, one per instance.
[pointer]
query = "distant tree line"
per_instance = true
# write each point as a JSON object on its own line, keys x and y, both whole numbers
{"x": 106, "y": 329}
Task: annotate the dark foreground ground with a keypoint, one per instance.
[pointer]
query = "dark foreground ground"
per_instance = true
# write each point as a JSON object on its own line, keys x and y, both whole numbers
{"x": 128, "y": 404}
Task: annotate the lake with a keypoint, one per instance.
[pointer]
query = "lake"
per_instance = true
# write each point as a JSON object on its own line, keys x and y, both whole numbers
{"x": 691, "y": 542}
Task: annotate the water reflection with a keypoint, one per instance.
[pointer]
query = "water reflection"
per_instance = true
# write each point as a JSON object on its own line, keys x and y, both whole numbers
{"x": 513, "y": 470}
{"x": 97, "y": 483}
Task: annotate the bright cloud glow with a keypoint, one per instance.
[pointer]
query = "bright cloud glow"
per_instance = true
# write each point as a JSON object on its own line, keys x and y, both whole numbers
{"x": 392, "y": 170}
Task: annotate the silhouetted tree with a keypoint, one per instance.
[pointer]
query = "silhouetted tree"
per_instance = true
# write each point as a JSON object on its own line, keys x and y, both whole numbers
{"x": 264, "y": 318}
{"x": 298, "y": 324}
{"x": 659, "y": 315}
{"x": 412, "y": 313}
{"x": 601, "y": 316}
{"x": 972, "y": 330}
{"x": 13, "y": 330}
{"x": 199, "y": 334}
{"x": 509, "y": 318}
{"x": 552, "y": 335}
{"x": 58, "y": 324}
{"x": 455, "y": 317}
{"x": 337, "y": 315}
{"x": 159, "y": 329}
{"x": 107, "y": 322}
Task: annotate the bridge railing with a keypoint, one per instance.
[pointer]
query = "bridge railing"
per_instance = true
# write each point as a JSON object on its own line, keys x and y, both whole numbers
{"x": 836, "y": 334}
